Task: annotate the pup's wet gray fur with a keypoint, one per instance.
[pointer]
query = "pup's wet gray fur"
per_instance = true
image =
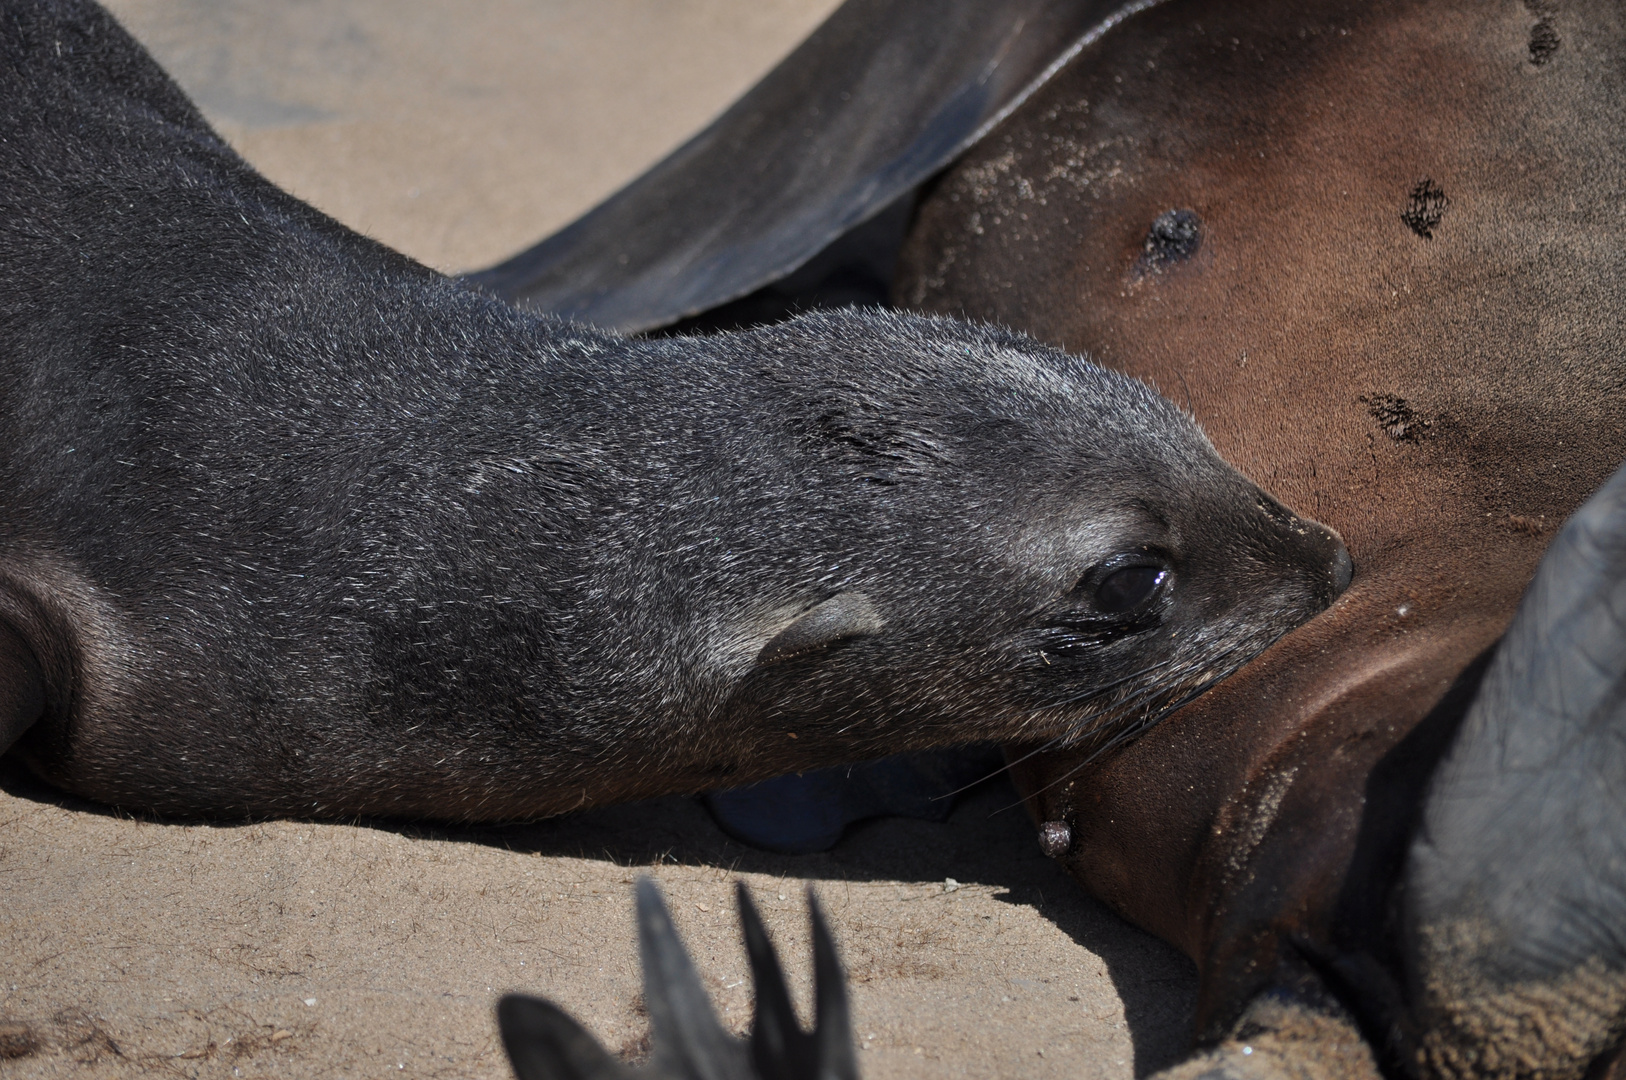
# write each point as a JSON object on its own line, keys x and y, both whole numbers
{"x": 290, "y": 524}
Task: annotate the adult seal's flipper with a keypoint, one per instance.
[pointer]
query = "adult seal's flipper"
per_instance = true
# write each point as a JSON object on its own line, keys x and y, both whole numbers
{"x": 686, "y": 1041}
{"x": 880, "y": 97}
{"x": 545, "y": 1043}
{"x": 1515, "y": 894}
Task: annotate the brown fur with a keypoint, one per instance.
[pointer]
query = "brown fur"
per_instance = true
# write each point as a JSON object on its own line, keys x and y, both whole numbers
{"x": 1399, "y": 315}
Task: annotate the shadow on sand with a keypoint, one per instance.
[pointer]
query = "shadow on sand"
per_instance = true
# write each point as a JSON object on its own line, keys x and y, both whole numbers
{"x": 988, "y": 840}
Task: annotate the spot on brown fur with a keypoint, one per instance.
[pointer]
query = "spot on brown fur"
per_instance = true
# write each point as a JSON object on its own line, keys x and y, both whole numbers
{"x": 1544, "y": 39}
{"x": 1425, "y": 206}
{"x": 1398, "y": 419}
{"x": 1174, "y": 237}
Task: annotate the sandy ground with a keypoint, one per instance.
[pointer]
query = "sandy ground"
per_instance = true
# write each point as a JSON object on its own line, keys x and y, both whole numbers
{"x": 459, "y": 132}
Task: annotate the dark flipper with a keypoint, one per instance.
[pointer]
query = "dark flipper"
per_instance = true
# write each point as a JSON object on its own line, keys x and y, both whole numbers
{"x": 687, "y": 1042}
{"x": 1515, "y": 899}
{"x": 22, "y": 688}
{"x": 879, "y": 98}
{"x": 685, "y": 1038}
{"x": 780, "y": 1049}
{"x": 543, "y": 1043}
{"x": 832, "y": 1022}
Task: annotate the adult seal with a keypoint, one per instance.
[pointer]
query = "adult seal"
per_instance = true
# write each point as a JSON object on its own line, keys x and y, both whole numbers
{"x": 1379, "y": 244}
{"x": 292, "y": 525}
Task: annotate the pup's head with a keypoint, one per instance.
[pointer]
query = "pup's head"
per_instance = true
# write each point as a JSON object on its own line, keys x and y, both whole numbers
{"x": 960, "y": 534}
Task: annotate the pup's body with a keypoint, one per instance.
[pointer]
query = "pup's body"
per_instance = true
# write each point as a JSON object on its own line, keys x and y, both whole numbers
{"x": 290, "y": 524}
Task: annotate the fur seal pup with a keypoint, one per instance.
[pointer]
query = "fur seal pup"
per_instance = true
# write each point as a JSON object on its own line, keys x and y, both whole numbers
{"x": 290, "y": 524}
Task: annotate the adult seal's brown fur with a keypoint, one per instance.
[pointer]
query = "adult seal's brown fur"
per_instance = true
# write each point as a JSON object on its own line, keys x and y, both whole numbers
{"x": 1379, "y": 244}
{"x": 289, "y": 524}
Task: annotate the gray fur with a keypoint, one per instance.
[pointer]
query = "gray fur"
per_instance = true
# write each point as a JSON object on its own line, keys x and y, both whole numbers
{"x": 291, "y": 524}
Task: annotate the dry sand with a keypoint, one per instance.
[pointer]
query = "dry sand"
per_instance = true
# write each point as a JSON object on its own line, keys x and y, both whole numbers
{"x": 458, "y": 132}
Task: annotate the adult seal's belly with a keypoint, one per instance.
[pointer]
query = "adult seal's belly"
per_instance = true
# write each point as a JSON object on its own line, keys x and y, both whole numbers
{"x": 1376, "y": 248}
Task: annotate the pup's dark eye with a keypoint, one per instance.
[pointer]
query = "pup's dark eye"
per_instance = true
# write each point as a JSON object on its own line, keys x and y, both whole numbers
{"x": 1123, "y": 590}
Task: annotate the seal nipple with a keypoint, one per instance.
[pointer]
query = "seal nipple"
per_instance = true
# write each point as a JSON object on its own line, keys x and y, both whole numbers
{"x": 1055, "y": 838}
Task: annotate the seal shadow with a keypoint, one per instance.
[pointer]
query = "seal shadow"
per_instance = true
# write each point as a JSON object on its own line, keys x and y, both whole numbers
{"x": 987, "y": 840}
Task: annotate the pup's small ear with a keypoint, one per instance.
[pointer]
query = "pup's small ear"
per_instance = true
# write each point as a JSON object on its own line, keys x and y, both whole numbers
{"x": 844, "y": 615}
{"x": 544, "y": 1043}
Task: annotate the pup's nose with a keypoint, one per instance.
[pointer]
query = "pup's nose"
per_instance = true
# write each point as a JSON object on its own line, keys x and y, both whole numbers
{"x": 1334, "y": 562}
{"x": 1343, "y": 567}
